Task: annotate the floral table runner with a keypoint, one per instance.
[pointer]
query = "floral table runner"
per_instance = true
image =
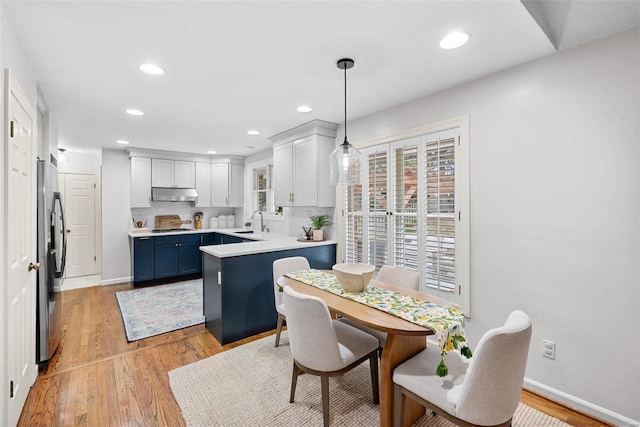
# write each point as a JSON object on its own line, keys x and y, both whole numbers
{"x": 446, "y": 322}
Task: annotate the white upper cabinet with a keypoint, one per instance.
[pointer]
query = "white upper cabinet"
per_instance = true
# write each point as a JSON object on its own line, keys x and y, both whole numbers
{"x": 172, "y": 173}
{"x": 203, "y": 184}
{"x": 227, "y": 184}
{"x": 185, "y": 174}
{"x": 218, "y": 181}
{"x": 283, "y": 174}
{"x": 140, "y": 182}
{"x": 301, "y": 165}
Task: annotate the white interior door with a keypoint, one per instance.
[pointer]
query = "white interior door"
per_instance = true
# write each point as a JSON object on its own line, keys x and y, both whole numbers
{"x": 20, "y": 200}
{"x": 78, "y": 193}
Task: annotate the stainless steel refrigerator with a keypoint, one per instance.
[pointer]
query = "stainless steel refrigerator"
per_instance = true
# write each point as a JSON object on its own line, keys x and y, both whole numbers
{"x": 51, "y": 257}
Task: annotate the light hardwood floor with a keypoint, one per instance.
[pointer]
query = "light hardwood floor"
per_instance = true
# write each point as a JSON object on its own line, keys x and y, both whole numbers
{"x": 97, "y": 378}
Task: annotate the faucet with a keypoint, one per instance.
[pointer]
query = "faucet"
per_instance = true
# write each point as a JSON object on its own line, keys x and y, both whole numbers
{"x": 261, "y": 219}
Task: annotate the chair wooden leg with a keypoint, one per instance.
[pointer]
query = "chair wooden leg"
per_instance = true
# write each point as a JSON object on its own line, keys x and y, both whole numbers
{"x": 373, "y": 362}
{"x": 279, "y": 329}
{"x": 398, "y": 403}
{"x": 324, "y": 381}
{"x": 294, "y": 382}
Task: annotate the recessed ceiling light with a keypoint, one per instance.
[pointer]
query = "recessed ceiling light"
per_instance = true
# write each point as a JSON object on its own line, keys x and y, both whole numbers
{"x": 152, "y": 70}
{"x": 454, "y": 39}
{"x": 211, "y": 152}
{"x": 304, "y": 109}
{"x": 122, "y": 141}
{"x": 253, "y": 132}
{"x": 134, "y": 112}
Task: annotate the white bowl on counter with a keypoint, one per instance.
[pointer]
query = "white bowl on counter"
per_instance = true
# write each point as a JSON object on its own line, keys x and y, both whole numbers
{"x": 353, "y": 277}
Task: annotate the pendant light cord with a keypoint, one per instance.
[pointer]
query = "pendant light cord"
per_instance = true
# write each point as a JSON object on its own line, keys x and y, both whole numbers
{"x": 345, "y": 104}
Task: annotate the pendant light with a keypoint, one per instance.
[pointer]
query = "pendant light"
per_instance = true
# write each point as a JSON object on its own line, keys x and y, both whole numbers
{"x": 345, "y": 161}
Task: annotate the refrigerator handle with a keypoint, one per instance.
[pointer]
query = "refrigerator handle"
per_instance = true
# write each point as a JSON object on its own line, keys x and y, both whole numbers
{"x": 63, "y": 257}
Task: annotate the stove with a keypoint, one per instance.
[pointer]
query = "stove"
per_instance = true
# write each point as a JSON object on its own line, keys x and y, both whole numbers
{"x": 169, "y": 230}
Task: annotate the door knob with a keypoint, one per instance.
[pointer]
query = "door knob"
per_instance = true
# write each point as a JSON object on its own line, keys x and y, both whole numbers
{"x": 34, "y": 266}
{"x": 68, "y": 231}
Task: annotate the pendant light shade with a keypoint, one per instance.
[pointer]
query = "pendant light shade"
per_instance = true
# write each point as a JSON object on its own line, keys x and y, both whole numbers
{"x": 345, "y": 161}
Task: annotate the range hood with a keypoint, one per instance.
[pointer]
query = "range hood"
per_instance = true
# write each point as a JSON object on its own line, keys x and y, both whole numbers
{"x": 169, "y": 194}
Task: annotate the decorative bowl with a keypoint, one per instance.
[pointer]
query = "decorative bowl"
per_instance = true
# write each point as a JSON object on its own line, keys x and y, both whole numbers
{"x": 354, "y": 277}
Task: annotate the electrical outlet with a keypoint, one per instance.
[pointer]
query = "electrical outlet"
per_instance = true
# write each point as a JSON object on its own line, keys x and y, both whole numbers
{"x": 549, "y": 349}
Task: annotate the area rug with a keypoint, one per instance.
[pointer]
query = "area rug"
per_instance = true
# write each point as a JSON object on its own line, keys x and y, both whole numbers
{"x": 158, "y": 309}
{"x": 249, "y": 386}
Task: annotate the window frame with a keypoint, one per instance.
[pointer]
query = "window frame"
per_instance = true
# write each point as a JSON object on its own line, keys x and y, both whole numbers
{"x": 462, "y": 199}
{"x": 250, "y": 199}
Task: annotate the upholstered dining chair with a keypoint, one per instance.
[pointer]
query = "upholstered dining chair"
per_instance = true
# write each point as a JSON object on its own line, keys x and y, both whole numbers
{"x": 325, "y": 347}
{"x": 484, "y": 392}
{"x": 399, "y": 276}
{"x": 281, "y": 267}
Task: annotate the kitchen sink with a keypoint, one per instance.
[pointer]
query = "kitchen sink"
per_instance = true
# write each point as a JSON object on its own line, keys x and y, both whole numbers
{"x": 244, "y": 232}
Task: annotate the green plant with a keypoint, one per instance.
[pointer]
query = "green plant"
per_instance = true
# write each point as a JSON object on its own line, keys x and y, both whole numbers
{"x": 247, "y": 224}
{"x": 319, "y": 221}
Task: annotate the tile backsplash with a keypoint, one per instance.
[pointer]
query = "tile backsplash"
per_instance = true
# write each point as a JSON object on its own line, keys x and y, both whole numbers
{"x": 186, "y": 211}
{"x": 291, "y": 224}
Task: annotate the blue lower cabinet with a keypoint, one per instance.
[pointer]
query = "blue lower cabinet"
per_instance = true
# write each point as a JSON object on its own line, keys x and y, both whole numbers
{"x": 167, "y": 257}
{"x": 143, "y": 259}
{"x": 207, "y": 239}
{"x": 177, "y": 255}
{"x": 238, "y": 290}
{"x": 223, "y": 239}
{"x": 162, "y": 257}
{"x": 189, "y": 259}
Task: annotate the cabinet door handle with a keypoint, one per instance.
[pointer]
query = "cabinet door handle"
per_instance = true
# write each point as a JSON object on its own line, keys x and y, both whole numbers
{"x": 144, "y": 238}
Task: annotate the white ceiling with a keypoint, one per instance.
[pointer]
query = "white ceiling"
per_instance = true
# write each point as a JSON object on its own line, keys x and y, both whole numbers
{"x": 235, "y": 66}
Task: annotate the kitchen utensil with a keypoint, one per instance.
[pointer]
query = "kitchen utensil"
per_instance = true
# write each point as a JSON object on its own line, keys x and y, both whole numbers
{"x": 197, "y": 220}
{"x": 308, "y": 233}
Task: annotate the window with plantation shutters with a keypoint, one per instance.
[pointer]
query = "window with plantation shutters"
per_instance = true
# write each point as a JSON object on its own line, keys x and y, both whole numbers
{"x": 440, "y": 211}
{"x": 405, "y": 204}
{"x": 411, "y": 211}
{"x": 377, "y": 214}
{"x": 353, "y": 224}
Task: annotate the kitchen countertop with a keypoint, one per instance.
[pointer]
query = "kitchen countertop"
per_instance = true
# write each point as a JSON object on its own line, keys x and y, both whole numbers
{"x": 232, "y": 231}
{"x": 264, "y": 242}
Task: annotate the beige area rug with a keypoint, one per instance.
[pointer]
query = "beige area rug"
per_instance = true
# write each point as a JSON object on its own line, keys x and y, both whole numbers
{"x": 249, "y": 386}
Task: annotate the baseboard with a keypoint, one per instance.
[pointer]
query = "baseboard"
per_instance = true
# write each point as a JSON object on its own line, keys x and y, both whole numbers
{"x": 579, "y": 404}
{"x": 116, "y": 281}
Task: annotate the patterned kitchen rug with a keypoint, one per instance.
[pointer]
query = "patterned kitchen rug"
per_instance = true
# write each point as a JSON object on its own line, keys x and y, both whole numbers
{"x": 158, "y": 309}
{"x": 249, "y": 386}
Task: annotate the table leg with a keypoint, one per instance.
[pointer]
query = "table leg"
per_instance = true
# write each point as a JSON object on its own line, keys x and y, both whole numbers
{"x": 397, "y": 349}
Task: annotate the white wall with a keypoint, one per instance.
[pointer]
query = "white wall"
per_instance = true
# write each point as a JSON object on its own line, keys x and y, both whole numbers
{"x": 555, "y": 229}
{"x": 75, "y": 161}
{"x": 11, "y": 57}
{"x": 116, "y": 216}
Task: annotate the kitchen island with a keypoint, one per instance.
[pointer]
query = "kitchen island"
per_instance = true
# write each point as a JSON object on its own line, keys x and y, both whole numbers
{"x": 238, "y": 281}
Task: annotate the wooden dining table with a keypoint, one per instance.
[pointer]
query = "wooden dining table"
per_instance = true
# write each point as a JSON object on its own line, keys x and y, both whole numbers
{"x": 404, "y": 339}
